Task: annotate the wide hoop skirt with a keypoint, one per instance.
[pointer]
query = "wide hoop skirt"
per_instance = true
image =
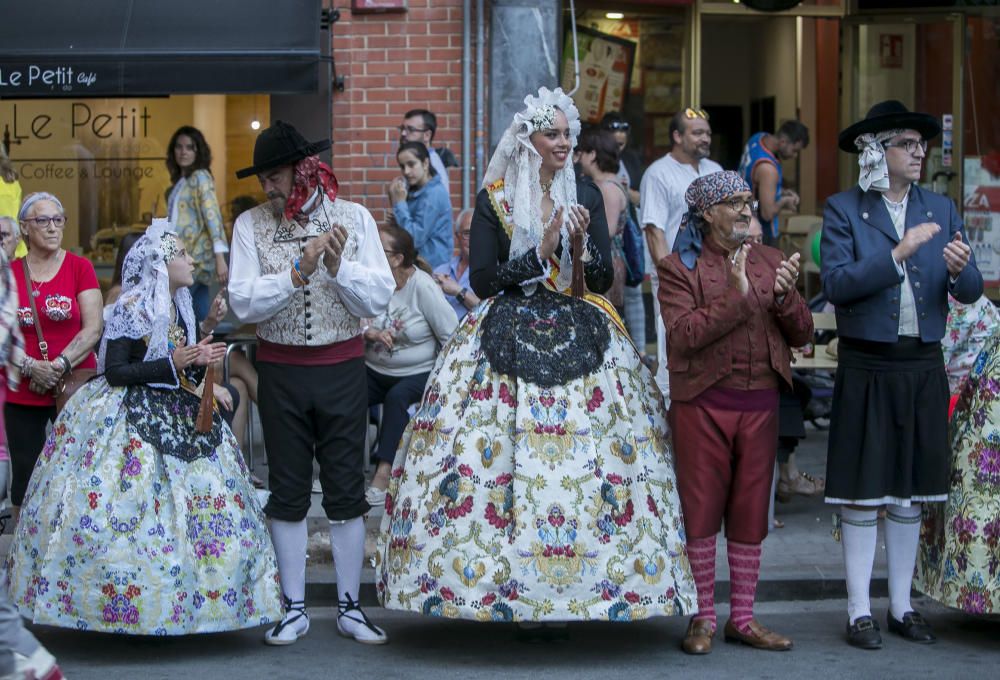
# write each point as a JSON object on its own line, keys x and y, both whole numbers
{"x": 510, "y": 501}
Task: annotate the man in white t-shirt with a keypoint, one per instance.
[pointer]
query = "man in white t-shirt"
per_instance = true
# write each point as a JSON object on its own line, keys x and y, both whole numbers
{"x": 663, "y": 205}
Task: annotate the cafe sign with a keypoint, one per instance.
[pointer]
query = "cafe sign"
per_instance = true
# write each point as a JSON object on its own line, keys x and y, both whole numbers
{"x": 19, "y": 80}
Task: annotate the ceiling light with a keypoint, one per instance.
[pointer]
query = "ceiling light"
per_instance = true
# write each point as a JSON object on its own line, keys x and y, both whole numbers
{"x": 255, "y": 124}
{"x": 615, "y": 15}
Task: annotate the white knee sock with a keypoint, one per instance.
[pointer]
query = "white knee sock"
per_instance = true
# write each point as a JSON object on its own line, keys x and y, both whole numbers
{"x": 902, "y": 536}
{"x": 289, "y": 540}
{"x": 858, "y": 534}
{"x": 347, "y": 539}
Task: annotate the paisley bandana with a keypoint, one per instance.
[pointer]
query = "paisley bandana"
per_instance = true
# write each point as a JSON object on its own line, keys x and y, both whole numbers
{"x": 874, "y": 168}
{"x": 310, "y": 173}
{"x": 703, "y": 193}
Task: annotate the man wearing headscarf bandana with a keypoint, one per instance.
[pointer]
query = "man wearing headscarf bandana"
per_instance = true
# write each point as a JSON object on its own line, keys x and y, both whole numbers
{"x": 306, "y": 267}
{"x": 731, "y": 312}
{"x": 891, "y": 254}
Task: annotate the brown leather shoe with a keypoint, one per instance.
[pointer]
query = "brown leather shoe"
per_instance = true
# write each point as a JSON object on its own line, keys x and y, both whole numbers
{"x": 758, "y": 636}
{"x": 698, "y": 639}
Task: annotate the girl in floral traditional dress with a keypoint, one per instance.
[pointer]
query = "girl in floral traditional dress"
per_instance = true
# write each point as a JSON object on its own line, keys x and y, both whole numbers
{"x": 535, "y": 482}
{"x": 134, "y": 522}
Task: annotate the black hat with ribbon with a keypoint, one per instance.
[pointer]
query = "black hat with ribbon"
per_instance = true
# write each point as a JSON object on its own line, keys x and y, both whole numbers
{"x": 280, "y": 144}
{"x": 889, "y": 115}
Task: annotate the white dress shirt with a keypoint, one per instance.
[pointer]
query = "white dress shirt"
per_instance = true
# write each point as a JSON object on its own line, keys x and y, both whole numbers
{"x": 364, "y": 283}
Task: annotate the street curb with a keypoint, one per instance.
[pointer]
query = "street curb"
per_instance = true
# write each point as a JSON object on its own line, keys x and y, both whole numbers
{"x": 774, "y": 590}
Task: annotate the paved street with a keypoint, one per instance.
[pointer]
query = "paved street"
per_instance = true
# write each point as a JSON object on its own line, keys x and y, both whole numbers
{"x": 426, "y": 648}
{"x": 801, "y": 595}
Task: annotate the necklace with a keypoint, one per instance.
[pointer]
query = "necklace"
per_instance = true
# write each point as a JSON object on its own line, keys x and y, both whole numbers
{"x": 175, "y": 334}
{"x": 546, "y": 186}
{"x": 36, "y": 286}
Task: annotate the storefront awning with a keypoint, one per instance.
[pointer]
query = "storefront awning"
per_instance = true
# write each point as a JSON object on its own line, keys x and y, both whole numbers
{"x": 148, "y": 47}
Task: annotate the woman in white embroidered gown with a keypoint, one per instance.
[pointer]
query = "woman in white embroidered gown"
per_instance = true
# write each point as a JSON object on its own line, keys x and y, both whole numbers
{"x": 536, "y": 481}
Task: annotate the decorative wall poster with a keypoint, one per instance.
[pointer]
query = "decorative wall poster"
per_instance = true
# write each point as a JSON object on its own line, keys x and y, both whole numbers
{"x": 982, "y": 218}
{"x": 605, "y": 69}
{"x": 626, "y": 30}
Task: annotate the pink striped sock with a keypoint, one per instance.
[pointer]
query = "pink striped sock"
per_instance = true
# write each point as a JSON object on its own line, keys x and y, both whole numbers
{"x": 744, "y": 571}
{"x": 701, "y": 553}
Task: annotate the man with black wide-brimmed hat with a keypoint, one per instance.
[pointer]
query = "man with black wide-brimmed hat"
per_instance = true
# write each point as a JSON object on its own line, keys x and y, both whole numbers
{"x": 891, "y": 253}
{"x": 306, "y": 267}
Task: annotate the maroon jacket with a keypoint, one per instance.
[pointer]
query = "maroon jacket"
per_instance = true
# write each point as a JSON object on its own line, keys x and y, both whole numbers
{"x": 704, "y": 316}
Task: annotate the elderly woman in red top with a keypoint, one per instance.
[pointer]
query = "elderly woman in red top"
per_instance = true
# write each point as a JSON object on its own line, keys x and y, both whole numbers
{"x": 66, "y": 295}
{"x": 731, "y": 312}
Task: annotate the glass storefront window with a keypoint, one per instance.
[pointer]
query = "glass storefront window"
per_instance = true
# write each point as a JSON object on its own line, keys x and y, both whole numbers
{"x": 981, "y": 190}
{"x": 105, "y": 158}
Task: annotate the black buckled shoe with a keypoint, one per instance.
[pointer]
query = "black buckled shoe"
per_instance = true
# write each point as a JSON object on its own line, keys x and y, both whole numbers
{"x": 864, "y": 633}
{"x": 913, "y": 627}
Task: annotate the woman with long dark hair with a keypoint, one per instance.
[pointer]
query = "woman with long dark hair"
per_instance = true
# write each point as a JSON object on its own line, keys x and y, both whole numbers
{"x": 535, "y": 481}
{"x": 599, "y": 159}
{"x": 193, "y": 209}
{"x": 420, "y": 204}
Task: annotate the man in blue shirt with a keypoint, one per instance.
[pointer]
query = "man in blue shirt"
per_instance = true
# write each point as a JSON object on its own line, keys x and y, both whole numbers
{"x": 760, "y": 166}
{"x": 453, "y": 275}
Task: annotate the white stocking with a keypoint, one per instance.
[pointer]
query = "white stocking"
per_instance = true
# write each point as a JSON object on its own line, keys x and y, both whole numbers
{"x": 902, "y": 536}
{"x": 289, "y": 540}
{"x": 347, "y": 540}
{"x": 858, "y": 535}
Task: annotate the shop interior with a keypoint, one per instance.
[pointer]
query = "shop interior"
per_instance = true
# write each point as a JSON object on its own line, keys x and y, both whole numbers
{"x": 104, "y": 158}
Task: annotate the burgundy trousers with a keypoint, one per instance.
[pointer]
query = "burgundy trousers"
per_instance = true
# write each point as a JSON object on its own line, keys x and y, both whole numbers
{"x": 724, "y": 462}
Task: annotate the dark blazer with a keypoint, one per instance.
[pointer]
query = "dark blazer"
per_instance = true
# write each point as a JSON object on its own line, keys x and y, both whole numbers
{"x": 704, "y": 316}
{"x": 859, "y": 275}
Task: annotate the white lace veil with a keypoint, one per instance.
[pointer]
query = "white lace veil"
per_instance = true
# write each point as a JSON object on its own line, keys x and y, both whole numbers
{"x": 517, "y": 163}
{"x": 143, "y": 310}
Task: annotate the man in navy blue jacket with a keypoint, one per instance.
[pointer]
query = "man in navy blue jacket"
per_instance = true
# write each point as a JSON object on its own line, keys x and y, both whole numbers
{"x": 891, "y": 253}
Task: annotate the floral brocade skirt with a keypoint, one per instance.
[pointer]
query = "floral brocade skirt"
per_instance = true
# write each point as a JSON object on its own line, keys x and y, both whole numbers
{"x": 510, "y": 501}
{"x": 958, "y": 563}
{"x": 134, "y": 523}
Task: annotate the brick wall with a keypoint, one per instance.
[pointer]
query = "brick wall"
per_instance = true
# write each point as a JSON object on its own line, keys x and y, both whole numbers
{"x": 393, "y": 63}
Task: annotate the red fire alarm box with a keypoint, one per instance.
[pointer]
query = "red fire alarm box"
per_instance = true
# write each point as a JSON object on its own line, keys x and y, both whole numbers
{"x": 377, "y": 6}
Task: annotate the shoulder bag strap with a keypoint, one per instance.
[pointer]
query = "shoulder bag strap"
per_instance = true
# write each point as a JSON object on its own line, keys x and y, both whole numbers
{"x": 43, "y": 346}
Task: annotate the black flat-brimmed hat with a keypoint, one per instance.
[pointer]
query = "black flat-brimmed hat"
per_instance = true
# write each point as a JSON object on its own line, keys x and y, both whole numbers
{"x": 280, "y": 144}
{"x": 889, "y": 115}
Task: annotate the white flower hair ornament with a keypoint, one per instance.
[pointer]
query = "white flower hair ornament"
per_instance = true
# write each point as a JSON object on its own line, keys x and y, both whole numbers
{"x": 517, "y": 163}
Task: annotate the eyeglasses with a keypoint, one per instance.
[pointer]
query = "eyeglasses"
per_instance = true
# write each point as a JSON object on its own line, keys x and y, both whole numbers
{"x": 4, "y": 235}
{"x": 465, "y": 234}
{"x": 739, "y": 204}
{"x": 44, "y": 220}
{"x": 621, "y": 125}
{"x": 695, "y": 113}
{"x": 410, "y": 129}
{"x": 908, "y": 145}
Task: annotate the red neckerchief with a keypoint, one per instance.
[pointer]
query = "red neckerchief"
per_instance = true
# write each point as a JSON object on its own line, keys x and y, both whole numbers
{"x": 310, "y": 173}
